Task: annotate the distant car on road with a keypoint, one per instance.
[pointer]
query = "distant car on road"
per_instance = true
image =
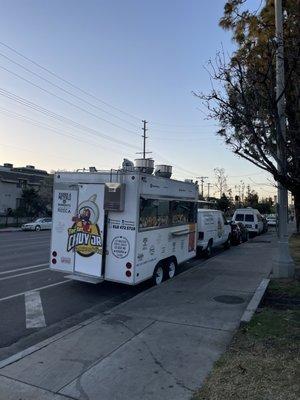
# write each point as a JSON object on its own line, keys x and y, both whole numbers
{"x": 239, "y": 234}
{"x": 271, "y": 220}
{"x": 38, "y": 225}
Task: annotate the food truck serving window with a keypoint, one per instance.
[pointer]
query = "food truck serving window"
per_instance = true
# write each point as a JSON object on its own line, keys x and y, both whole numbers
{"x": 156, "y": 213}
{"x": 182, "y": 212}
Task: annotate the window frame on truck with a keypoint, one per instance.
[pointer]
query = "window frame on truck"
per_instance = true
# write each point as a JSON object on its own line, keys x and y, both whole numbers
{"x": 173, "y": 204}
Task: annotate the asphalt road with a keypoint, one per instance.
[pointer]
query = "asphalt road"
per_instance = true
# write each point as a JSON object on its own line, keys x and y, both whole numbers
{"x": 24, "y": 260}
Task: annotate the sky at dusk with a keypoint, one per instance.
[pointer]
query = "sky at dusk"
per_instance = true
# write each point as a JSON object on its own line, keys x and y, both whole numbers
{"x": 138, "y": 60}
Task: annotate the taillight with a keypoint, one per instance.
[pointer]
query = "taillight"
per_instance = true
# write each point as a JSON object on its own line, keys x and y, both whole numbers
{"x": 201, "y": 235}
{"x": 54, "y": 254}
{"x": 128, "y": 274}
{"x": 53, "y": 260}
{"x": 128, "y": 265}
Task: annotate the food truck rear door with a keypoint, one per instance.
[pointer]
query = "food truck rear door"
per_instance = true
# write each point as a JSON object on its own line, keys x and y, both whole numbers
{"x": 89, "y": 230}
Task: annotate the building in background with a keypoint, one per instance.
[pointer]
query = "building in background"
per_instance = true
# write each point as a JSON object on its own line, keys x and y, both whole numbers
{"x": 14, "y": 180}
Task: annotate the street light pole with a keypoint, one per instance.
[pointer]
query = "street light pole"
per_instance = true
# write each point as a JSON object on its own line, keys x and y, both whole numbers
{"x": 284, "y": 265}
{"x": 201, "y": 178}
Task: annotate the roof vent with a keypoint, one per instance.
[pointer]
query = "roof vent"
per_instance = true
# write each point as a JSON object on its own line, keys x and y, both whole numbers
{"x": 30, "y": 166}
{"x": 165, "y": 171}
{"x": 127, "y": 165}
{"x": 145, "y": 165}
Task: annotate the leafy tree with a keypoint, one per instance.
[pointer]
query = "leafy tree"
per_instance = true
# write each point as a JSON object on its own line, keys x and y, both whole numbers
{"x": 32, "y": 204}
{"x": 252, "y": 199}
{"x": 46, "y": 193}
{"x": 224, "y": 203}
{"x": 265, "y": 206}
{"x": 245, "y": 101}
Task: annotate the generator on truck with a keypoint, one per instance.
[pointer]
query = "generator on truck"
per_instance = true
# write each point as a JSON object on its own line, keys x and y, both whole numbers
{"x": 125, "y": 225}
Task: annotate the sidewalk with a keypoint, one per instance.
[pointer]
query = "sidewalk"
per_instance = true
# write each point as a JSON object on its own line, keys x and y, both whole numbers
{"x": 160, "y": 344}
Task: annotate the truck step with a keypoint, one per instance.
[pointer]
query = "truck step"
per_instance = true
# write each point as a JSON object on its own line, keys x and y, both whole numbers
{"x": 85, "y": 278}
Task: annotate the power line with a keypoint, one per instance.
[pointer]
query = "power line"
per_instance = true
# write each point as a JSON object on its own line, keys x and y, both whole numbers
{"x": 68, "y": 121}
{"x": 61, "y": 118}
{"x": 68, "y": 82}
{"x": 64, "y": 90}
{"x": 184, "y": 139}
{"x": 67, "y": 101}
{"x": 83, "y": 91}
{"x": 33, "y": 122}
{"x": 187, "y": 126}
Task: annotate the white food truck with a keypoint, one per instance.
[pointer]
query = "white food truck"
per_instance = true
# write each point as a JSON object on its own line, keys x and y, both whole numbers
{"x": 125, "y": 225}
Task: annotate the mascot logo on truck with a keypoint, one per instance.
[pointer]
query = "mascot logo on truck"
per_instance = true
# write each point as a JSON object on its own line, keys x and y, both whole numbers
{"x": 84, "y": 236}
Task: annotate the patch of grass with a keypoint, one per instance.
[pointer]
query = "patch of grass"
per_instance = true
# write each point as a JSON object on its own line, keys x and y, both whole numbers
{"x": 262, "y": 362}
{"x": 284, "y": 287}
{"x": 274, "y": 324}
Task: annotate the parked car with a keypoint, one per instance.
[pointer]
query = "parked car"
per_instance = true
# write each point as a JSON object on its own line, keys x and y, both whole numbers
{"x": 213, "y": 231}
{"x": 239, "y": 233}
{"x": 250, "y": 218}
{"x": 271, "y": 220}
{"x": 265, "y": 222}
{"x": 38, "y": 225}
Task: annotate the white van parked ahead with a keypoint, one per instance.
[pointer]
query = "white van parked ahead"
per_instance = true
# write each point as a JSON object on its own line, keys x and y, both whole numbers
{"x": 213, "y": 230}
{"x": 250, "y": 218}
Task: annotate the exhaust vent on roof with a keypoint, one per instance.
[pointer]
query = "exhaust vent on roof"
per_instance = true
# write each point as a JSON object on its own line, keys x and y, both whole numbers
{"x": 164, "y": 171}
{"x": 30, "y": 166}
{"x": 127, "y": 165}
{"x": 145, "y": 165}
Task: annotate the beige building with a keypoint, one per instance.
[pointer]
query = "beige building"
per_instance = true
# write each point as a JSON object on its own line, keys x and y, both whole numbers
{"x": 13, "y": 180}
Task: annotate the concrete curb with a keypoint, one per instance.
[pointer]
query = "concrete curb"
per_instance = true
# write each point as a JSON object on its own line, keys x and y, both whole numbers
{"x": 5, "y": 230}
{"x": 254, "y": 302}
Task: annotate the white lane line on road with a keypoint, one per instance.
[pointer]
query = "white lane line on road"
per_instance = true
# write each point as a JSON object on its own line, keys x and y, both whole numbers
{"x": 22, "y": 268}
{"x": 25, "y": 273}
{"x": 18, "y": 246}
{"x": 39, "y": 288}
{"x": 34, "y": 310}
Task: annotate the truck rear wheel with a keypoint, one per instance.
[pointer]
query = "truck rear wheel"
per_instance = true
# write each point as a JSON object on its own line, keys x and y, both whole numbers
{"x": 158, "y": 275}
{"x": 171, "y": 269}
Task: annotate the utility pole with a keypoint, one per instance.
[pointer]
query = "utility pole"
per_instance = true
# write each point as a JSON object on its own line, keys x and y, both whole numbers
{"x": 201, "y": 178}
{"x": 144, "y": 152}
{"x": 208, "y": 187}
{"x": 144, "y": 138}
{"x": 284, "y": 266}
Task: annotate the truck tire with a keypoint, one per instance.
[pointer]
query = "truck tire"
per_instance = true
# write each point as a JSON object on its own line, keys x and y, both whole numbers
{"x": 227, "y": 244}
{"x": 170, "y": 269}
{"x": 208, "y": 250}
{"x": 158, "y": 275}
